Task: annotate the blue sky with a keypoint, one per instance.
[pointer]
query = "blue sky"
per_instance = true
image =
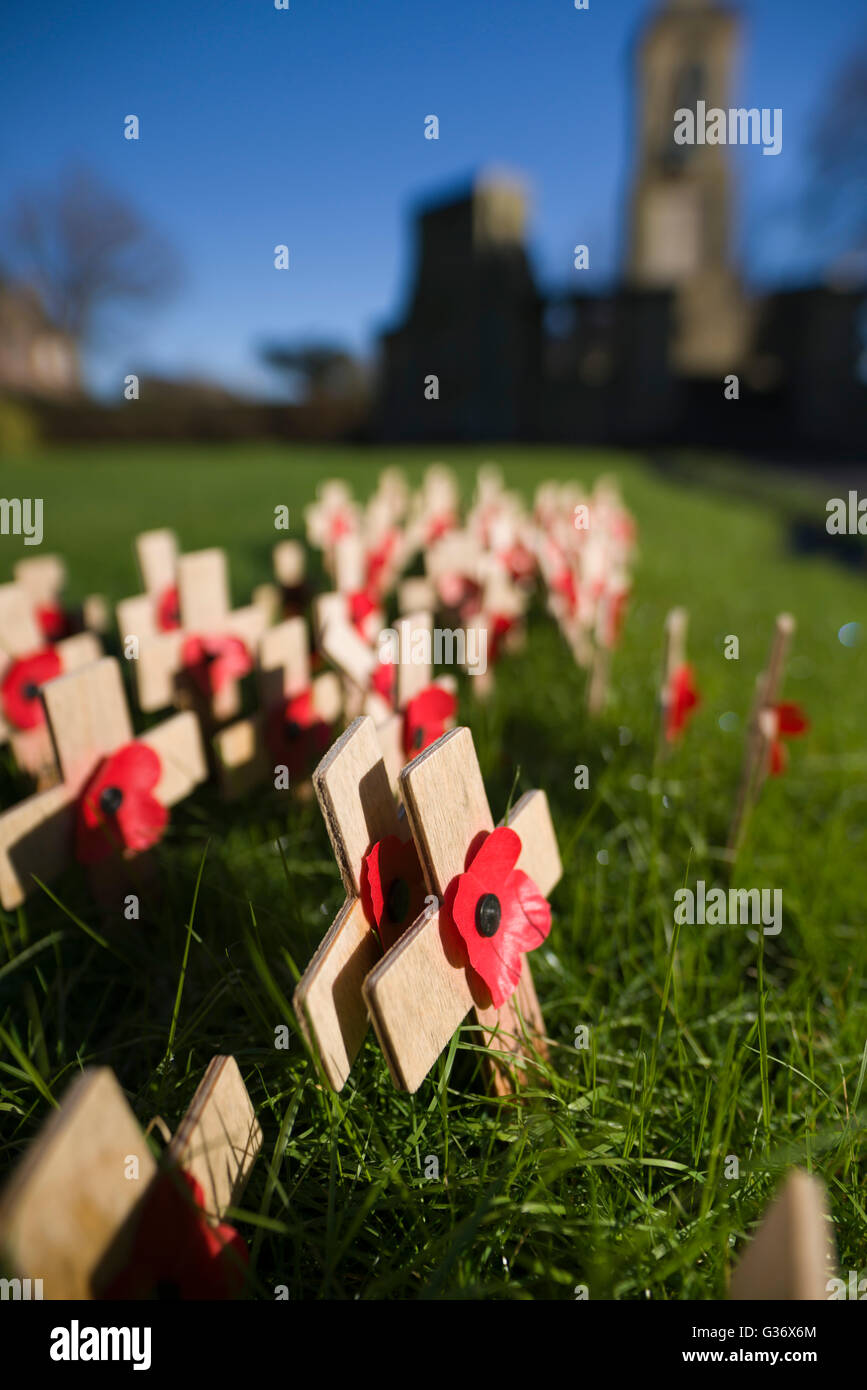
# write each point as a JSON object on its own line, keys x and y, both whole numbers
{"x": 305, "y": 127}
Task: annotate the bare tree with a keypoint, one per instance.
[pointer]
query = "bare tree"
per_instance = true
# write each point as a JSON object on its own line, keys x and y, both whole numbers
{"x": 88, "y": 252}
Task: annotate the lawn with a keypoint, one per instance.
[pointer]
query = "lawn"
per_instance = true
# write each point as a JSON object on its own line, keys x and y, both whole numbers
{"x": 704, "y": 1043}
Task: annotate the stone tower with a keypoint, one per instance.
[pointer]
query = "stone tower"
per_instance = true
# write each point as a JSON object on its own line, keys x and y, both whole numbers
{"x": 680, "y": 218}
{"x": 473, "y": 319}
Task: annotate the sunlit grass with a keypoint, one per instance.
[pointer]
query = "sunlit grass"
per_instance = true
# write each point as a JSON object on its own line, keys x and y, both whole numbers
{"x": 613, "y": 1172}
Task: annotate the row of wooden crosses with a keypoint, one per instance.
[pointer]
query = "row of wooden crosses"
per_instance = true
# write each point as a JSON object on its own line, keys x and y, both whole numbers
{"x": 442, "y": 907}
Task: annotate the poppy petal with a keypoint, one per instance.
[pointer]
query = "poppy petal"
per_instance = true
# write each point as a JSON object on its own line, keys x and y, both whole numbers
{"x": 19, "y": 690}
{"x": 495, "y": 858}
{"x": 779, "y": 758}
{"x": 791, "y": 720}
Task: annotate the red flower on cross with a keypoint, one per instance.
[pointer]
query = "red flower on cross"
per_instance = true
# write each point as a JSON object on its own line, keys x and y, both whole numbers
{"x": 296, "y": 735}
{"x": 425, "y": 718}
{"x": 791, "y": 722}
{"x": 178, "y": 1253}
{"x": 53, "y": 621}
{"x": 499, "y": 913}
{"x": 117, "y": 810}
{"x": 19, "y": 690}
{"x": 682, "y": 699}
{"x": 213, "y": 661}
{"x": 392, "y": 888}
{"x": 168, "y": 614}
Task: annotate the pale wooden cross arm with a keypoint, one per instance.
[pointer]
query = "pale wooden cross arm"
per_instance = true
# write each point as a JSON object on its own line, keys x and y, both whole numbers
{"x": 761, "y": 729}
{"x": 420, "y": 991}
{"x": 357, "y": 804}
{"x": 219, "y": 1137}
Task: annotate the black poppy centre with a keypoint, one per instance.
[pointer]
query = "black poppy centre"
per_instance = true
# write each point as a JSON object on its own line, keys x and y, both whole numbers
{"x": 31, "y": 690}
{"x": 488, "y": 914}
{"x": 110, "y": 800}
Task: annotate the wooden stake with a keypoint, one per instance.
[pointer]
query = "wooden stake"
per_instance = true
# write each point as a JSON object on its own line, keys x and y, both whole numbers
{"x": 673, "y": 657}
{"x": 791, "y": 1257}
{"x": 421, "y": 991}
{"x": 761, "y": 731}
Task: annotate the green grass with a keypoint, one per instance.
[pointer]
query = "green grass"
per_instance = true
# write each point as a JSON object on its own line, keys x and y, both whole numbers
{"x": 613, "y": 1174}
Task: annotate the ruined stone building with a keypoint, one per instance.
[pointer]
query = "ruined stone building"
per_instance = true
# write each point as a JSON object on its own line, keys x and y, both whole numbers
{"x": 647, "y": 362}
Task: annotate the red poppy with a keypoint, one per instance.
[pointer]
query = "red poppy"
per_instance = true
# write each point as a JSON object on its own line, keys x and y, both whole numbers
{"x": 439, "y": 526}
{"x": 520, "y": 562}
{"x": 392, "y": 888}
{"x": 53, "y": 621}
{"x": 19, "y": 691}
{"x": 339, "y": 525}
{"x": 564, "y": 584}
{"x": 213, "y": 662}
{"x": 615, "y": 612}
{"x": 178, "y": 1253}
{"x": 117, "y": 809}
{"x": 683, "y": 697}
{"x": 377, "y": 563}
{"x": 791, "y": 723}
{"x": 499, "y": 629}
{"x": 169, "y": 609}
{"x": 383, "y": 681}
{"x": 363, "y": 613}
{"x": 425, "y": 718}
{"x": 457, "y": 591}
{"x": 499, "y": 913}
{"x": 296, "y": 735}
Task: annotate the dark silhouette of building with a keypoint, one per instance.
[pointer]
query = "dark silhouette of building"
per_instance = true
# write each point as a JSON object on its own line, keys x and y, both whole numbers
{"x": 678, "y": 353}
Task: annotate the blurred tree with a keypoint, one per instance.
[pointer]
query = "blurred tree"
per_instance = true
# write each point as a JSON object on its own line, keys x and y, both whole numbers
{"x": 87, "y": 252}
{"x": 318, "y": 373}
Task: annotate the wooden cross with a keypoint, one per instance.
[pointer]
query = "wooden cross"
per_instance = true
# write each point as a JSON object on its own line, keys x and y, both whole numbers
{"x": 352, "y": 787}
{"x": 792, "y": 1254}
{"x": 43, "y": 578}
{"x": 157, "y": 557}
{"x": 203, "y": 602}
{"x": 20, "y": 636}
{"x": 352, "y": 656}
{"x": 88, "y": 718}
{"x": 288, "y": 597}
{"x": 68, "y": 1215}
{"x": 244, "y": 757}
{"x": 422, "y": 989}
{"x": 761, "y": 730}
